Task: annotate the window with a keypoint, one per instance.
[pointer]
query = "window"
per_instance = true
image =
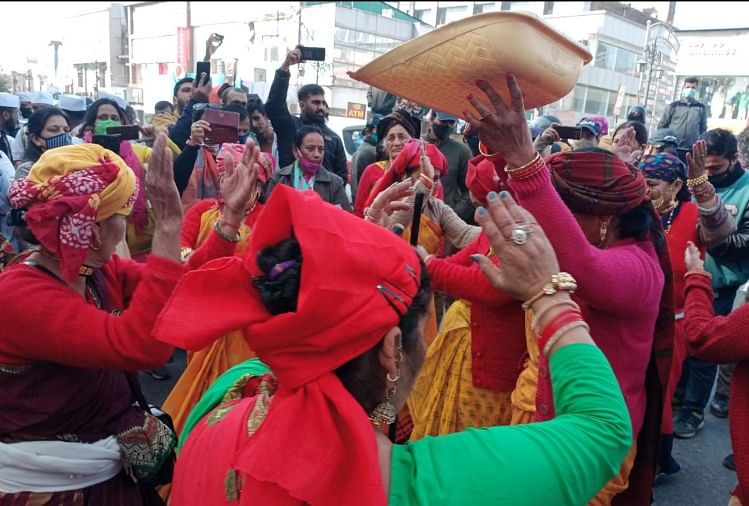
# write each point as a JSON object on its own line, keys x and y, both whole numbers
{"x": 80, "y": 77}
{"x": 448, "y": 14}
{"x": 260, "y": 75}
{"x": 615, "y": 58}
{"x": 578, "y": 98}
{"x": 548, "y": 8}
{"x": 480, "y": 8}
{"x": 423, "y": 14}
{"x": 597, "y": 101}
{"x": 271, "y": 54}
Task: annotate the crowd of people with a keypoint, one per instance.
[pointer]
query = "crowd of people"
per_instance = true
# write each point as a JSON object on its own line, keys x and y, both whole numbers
{"x": 537, "y": 332}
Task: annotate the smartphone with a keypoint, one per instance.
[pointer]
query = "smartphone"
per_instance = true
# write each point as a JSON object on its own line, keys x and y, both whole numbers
{"x": 569, "y": 132}
{"x": 224, "y": 126}
{"x": 110, "y": 142}
{"x": 312, "y": 53}
{"x": 126, "y": 132}
{"x": 203, "y": 67}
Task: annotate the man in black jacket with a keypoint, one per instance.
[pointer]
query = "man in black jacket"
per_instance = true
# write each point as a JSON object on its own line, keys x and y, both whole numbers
{"x": 686, "y": 117}
{"x": 313, "y": 107}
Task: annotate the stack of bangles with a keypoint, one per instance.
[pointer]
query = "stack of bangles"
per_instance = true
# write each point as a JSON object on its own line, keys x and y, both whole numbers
{"x": 428, "y": 183}
{"x": 694, "y": 272}
{"x": 564, "y": 322}
{"x": 217, "y": 227}
{"x": 701, "y": 188}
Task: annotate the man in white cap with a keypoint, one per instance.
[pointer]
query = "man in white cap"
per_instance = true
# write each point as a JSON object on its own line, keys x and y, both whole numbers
{"x": 118, "y": 100}
{"x": 9, "y": 105}
{"x": 75, "y": 107}
{"x": 39, "y": 100}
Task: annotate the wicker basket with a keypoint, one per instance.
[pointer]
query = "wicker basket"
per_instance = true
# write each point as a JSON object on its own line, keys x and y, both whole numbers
{"x": 440, "y": 68}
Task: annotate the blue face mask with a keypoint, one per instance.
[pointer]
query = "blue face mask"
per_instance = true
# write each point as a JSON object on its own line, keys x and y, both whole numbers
{"x": 58, "y": 141}
{"x": 243, "y": 138}
{"x": 689, "y": 93}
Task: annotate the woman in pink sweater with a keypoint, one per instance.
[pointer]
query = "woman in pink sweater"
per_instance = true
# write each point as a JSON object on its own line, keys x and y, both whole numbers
{"x": 600, "y": 221}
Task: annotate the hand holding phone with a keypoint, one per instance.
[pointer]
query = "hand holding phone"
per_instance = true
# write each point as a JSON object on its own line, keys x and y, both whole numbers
{"x": 569, "y": 132}
{"x": 125, "y": 132}
{"x": 224, "y": 126}
{"x": 312, "y": 53}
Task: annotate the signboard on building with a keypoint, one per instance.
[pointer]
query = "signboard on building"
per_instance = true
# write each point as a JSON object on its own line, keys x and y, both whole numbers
{"x": 356, "y": 110}
{"x": 184, "y": 47}
{"x": 721, "y": 53}
{"x": 619, "y": 101}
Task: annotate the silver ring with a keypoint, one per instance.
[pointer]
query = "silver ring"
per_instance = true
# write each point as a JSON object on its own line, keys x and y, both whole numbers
{"x": 520, "y": 234}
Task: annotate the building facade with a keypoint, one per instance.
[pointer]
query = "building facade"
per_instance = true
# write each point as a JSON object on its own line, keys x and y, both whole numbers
{"x": 168, "y": 38}
{"x": 614, "y": 33}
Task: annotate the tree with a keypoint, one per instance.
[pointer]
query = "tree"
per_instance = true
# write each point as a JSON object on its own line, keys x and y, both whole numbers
{"x": 6, "y": 83}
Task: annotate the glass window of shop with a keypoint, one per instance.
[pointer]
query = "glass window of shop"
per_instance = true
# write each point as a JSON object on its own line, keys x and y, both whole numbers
{"x": 615, "y": 58}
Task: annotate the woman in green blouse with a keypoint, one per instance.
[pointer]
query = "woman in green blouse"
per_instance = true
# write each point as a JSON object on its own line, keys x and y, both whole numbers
{"x": 344, "y": 342}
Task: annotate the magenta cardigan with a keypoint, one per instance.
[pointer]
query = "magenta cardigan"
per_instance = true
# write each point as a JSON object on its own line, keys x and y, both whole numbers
{"x": 619, "y": 292}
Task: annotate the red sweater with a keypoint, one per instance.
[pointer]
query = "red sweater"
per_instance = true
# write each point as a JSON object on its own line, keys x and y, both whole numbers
{"x": 497, "y": 321}
{"x": 723, "y": 339}
{"x": 619, "y": 291}
{"x": 47, "y": 321}
{"x": 683, "y": 229}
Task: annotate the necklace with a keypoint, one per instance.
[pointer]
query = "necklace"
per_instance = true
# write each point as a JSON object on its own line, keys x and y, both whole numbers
{"x": 667, "y": 228}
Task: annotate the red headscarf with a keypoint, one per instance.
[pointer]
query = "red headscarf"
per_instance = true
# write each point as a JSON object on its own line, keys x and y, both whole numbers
{"x": 597, "y": 183}
{"x": 334, "y": 459}
{"x": 408, "y": 158}
{"x": 481, "y": 178}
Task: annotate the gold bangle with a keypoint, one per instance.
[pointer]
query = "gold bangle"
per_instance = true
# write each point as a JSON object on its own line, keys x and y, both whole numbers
{"x": 560, "y": 334}
{"x": 559, "y": 282}
{"x": 691, "y": 183}
{"x": 522, "y": 167}
{"x": 368, "y": 214}
{"x": 537, "y": 315}
{"x": 482, "y": 151}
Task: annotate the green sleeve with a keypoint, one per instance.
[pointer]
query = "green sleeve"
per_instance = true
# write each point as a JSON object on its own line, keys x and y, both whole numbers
{"x": 565, "y": 461}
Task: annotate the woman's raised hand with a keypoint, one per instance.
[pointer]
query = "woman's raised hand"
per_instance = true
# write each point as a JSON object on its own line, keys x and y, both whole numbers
{"x": 501, "y": 127}
{"x": 527, "y": 259}
{"x": 240, "y": 183}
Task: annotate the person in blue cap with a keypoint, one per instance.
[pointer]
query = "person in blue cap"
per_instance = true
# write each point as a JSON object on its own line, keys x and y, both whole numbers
{"x": 589, "y": 136}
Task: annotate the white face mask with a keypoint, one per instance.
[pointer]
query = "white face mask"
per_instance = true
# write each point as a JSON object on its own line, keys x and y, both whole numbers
{"x": 689, "y": 93}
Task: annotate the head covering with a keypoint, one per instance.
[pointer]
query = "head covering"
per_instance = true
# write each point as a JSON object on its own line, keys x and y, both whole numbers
{"x": 121, "y": 102}
{"x": 603, "y": 123}
{"x": 664, "y": 167}
{"x": 409, "y": 157}
{"x": 42, "y": 97}
{"x": 8, "y": 100}
{"x": 597, "y": 182}
{"x": 72, "y": 103}
{"x": 392, "y": 119}
{"x": 26, "y": 96}
{"x": 481, "y": 178}
{"x": 374, "y": 120}
{"x": 334, "y": 459}
{"x": 265, "y": 161}
{"x": 443, "y": 116}
{"x": 590, "y": 125}
{"x": 636, "y": 113}
{"x": 69, "y": 190}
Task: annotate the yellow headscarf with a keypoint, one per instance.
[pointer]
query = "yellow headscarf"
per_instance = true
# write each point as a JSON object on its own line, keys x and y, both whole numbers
{"x": 67, "y": 192}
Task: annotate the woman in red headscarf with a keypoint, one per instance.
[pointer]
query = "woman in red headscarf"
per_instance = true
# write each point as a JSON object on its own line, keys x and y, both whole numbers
{"x": 603, "y": 226}
{"x": 472, "y": 365}
{"x": 343, "y": 341}
{"x": 204, "y": 366}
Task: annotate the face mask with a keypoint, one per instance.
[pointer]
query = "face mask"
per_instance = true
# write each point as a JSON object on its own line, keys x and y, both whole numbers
{"x": 243, "y": 138}
{"x": 58, "y": 141}
{"x": 374, "y": 138}
{"x": 101, "y": 126}
{"x": 309, "y": 168}
{"x": 689, "y": 93}
{"x": 441, "y": 132}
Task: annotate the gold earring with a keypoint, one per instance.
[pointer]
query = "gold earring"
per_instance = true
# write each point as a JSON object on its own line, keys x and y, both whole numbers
{"x": 96, "y": 244}
{"x": 604, "y": 232}
{"x": 385, "y": 413}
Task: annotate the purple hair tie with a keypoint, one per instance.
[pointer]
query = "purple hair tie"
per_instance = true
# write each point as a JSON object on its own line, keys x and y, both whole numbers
{"x": 279, "y": 268}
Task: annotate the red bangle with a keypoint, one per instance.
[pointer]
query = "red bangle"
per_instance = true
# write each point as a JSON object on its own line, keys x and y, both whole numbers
{"x": 528, "y": 170}
{"x": 564, "y": 318}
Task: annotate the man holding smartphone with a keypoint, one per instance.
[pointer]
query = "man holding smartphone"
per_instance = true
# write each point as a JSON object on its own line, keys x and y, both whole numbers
{"x": 313, "y": 108}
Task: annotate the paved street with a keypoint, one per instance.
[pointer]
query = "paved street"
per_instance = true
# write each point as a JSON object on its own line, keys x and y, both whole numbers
{"x": 703, "y": 481}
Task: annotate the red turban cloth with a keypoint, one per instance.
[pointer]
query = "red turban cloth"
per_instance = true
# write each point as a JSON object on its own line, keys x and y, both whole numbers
{"x": 482, "y": 178}
{"x": 597, "y": 183}
{"x": 408, "y": 158}
{"x": 316, "y": 443}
